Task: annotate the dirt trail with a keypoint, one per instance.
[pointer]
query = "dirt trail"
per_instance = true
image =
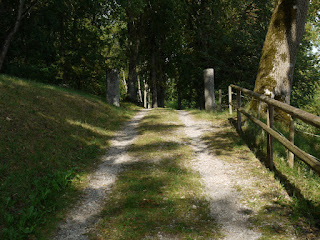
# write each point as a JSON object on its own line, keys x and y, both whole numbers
{"x": 82, "y": 218}
{"x": 217, "y": 180}
{"x": 219, "y": 183}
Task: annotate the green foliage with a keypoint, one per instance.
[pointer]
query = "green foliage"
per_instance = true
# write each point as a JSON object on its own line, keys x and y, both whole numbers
{"x": 314, "y": 105}
{"x": 50, "y": 138}
{"x": 67, "y": 50}
{"x": 72, "y": 43}
{"x": 307, "y": 72}
{"x": 225, "y": 35}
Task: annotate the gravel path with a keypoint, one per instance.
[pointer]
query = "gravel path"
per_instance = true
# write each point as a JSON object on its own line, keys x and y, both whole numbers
{"x": 84, "y": 216}
{"x": 219, "y": 182}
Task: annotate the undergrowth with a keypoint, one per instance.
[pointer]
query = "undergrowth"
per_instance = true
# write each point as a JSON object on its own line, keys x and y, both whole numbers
{"x": 50, "y": 139}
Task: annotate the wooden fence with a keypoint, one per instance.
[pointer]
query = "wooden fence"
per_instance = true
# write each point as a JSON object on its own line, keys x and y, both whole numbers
{"x": 271, "y": 133}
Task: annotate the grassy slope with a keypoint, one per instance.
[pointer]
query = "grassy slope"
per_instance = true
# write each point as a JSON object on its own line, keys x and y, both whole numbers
{"x": 49, "y": 139}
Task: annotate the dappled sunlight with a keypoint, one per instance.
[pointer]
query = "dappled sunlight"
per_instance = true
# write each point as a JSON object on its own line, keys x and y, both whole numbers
{"x": 89, "y": 127}
{"x": 153, "y": 206}
{"x": 89, "y": 141}
{"x": 48, "y": 117}
{"x": 156, "y": 196}
{"x": 275, "y": 213}
{"x": 164, "y": 146}
{"x": 224, "y": 142}
{"x": 44, "y": 136}
{"x": 159, "y": 127}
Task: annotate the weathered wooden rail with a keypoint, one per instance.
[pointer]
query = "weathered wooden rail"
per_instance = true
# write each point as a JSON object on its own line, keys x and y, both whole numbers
{"x": 271, "y": 133}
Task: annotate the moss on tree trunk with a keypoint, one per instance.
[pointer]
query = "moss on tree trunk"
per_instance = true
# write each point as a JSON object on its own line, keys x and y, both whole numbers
{"x": 275, "y": 74}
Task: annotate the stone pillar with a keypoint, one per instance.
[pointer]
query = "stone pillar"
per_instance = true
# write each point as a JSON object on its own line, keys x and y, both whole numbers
{"x": 113, "y": 87}
{"x": 209, "y": 97}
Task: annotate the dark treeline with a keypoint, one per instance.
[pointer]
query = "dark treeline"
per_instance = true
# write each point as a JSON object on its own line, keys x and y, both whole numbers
{"x": 166, "y": 44}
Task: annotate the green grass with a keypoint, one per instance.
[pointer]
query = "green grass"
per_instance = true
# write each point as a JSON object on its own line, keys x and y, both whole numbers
{"x": 50, "y": 138}
{"x": 276, "y": 215}
{"x": 300, "y": 182}
{"x": 157, "y": 195}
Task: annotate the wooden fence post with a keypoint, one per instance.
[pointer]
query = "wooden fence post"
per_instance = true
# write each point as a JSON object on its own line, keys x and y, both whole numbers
{"x": 270, "y": 118}
{"x": 238, "y": 112}
{"x": 259, "y": 109}
{"x": 230, "y": 99}
{"x": 220, "y": 100}
{"x": 291, "y": 139}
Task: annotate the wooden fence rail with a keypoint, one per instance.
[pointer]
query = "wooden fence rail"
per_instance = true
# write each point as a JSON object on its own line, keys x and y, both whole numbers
{"x": 271, "y": 133}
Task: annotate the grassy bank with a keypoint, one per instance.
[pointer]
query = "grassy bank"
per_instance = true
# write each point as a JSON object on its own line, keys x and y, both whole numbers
{"x": 286, "y": 201}
{"x": 157, "y": 196}
{"x": 301, "y": 183}
{"x": 50, "y": 138}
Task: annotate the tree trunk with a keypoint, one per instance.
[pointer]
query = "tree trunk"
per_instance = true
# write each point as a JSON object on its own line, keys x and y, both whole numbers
{"x": 132, "y": 79}
{"x": 154, "y": 79}
{"x": 161, "y": 87}
{"x": 179, "y": 99}
{"x": 134, "y": 50}
{"x": 161, "y": 95}
{"x": 149, "y": 98}
{"x": 8, "y": 38}
{"x": 139, "y": 90}
{"x": 124, "y": 81}
{"x": 275, "y": 74}
{"x": 145, "y": 95}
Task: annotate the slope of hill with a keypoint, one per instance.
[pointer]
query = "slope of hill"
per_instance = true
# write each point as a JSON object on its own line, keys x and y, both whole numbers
{"x": 50, "y": 138}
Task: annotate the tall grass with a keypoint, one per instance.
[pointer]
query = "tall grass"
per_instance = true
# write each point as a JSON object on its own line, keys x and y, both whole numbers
{"x": 50, "y": 138}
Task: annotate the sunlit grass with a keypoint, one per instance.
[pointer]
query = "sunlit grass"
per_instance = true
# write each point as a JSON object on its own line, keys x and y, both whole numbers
{"x": 94, "y": 129}
{"x": 157, "y": 196}
{"x": 301, "y": 183}
{"x": 50, "y": 138}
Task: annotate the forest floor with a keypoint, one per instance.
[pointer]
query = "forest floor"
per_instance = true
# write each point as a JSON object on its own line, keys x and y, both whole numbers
{"x": 173, "y": 175}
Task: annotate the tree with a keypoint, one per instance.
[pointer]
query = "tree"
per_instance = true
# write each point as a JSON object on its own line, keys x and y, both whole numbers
{"x": 225, "y": 35}
{"x": 11, "y": 32}
{"x": 63, "y": 42}
{"x": 279, "y": 54}
{"x": 307, "y": 69}
{"x": 134, "y": 25}
{"x": 134, "y": 44}
{"x": 22, "y": 12}
{"x": 72, "y": 42}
